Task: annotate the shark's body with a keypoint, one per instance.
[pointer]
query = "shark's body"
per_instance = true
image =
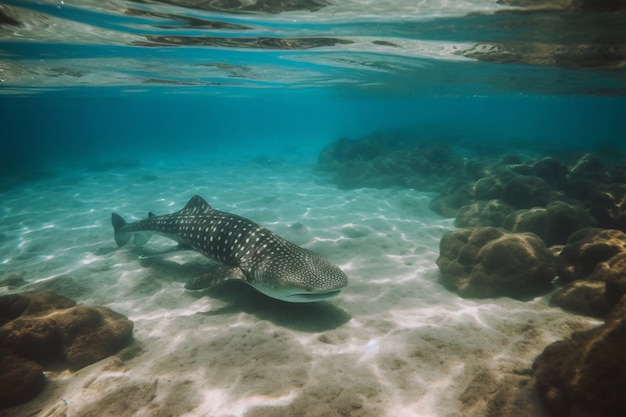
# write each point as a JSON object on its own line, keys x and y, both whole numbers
{"x": 245, "y": 251}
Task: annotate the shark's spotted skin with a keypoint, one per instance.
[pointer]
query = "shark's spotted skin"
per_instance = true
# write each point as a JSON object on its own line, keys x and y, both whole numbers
{"x": 245, "y": 250}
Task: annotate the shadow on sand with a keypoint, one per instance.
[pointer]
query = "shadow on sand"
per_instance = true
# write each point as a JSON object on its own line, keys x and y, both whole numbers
{"x": 240, "y": 297}
{"x": 308, "y": 317}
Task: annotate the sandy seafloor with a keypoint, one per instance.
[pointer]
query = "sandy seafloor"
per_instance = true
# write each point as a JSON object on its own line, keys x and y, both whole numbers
{"x": 394, "y": 343}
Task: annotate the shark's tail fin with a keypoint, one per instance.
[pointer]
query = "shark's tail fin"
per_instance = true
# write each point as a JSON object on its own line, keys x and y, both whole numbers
{"x": 121, "y": 237}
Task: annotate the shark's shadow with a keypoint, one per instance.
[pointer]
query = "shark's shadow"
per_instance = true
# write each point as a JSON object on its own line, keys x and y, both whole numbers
{"x": 308, "y": 317}
{"x": 240, "y": 297}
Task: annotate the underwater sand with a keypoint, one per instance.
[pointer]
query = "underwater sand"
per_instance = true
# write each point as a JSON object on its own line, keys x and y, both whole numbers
{"x": 393, "y": 343}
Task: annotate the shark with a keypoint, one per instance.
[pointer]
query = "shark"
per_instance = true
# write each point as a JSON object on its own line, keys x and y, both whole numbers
{"x": 243, "y": 251}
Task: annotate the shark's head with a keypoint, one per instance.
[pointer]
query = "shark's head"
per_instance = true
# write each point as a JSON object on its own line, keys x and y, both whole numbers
{"x": 299, "y": 276}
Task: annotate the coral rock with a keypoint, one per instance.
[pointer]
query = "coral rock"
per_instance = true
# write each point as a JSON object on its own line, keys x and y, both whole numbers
{"x": 488, "y": 188}
{"x": 590, "y": 167}
{"x": 608, "y": 206}
{"x": 586, "y": 374}
{"x": 526, "y": 191}
{"x": 588, "y": 255}
{"x": 32, "y": 338}
{"x": 483, "y": 213}
{"x": 43, "y": 328}
{"x": 552, "y": 171}
{"x": 593, "y": 257}
{"x": 554, "y": 224}
{"x": 391, "y": 158}
{"x": 20, "y": 379}
{"x": 11, "y": 307}
{"x": 89, "y": 334}
{"x": 583, "y": 297}
{"x": 42, "y": 302}
{"x": 490, "y": 262}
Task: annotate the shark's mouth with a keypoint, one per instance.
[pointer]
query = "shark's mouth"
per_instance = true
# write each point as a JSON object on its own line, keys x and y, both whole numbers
{"x": 309, "y": 297}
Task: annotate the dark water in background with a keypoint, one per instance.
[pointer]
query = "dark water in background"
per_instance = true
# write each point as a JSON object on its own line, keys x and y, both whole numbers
{"x": 59, "y": 129}
{"x": 85, "y": 82}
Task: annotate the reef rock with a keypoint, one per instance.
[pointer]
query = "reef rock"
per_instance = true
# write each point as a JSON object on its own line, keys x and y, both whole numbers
{"x": 585, "y": 375}
{"x": 594, "y": 255}
{"x": 554, "y": 223}
{"x": 43, "y": 328}
{"x": 590, "y": 167}
{"x": 583, "y": 297}
{"x": 483, "y": 213}
{"x": 391, "y": 158}
{"x": 491, "y": 262}
{"x": 525, "y": 191}
{"x": 488, "y": 188}
{"x": 552, "y": 171}
{"x": 20, "y": 379}
{"x": 89, "y": 334}
{"x": 608, "y": 206}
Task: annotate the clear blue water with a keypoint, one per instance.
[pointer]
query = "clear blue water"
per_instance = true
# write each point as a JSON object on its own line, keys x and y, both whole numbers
{"x": 122, "y": 79}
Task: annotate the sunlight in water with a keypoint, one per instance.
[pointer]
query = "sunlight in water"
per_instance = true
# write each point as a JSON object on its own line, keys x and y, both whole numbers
{"x": 392, "y": 138}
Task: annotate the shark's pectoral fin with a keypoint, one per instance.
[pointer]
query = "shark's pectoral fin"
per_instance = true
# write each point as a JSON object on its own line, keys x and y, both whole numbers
{"x": 215, "y": 276}
{"x": 177, "y": 248}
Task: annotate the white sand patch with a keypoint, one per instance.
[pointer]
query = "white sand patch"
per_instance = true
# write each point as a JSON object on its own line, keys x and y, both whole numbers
{"x": 394, "y": 343}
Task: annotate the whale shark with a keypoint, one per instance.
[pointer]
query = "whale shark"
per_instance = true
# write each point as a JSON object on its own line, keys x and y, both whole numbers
{"x": 243, "y": 250}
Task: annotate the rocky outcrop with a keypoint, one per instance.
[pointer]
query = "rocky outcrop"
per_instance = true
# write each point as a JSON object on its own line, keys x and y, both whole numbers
{"x": 388, "y": 159}
{"x": 483, "y": 213}
{"x": 593, "y": 266}
{"x": 20, "y": 379}
{"x": 583, "y": 297}
{"x": 526, "y": 191}
{"x": 585, "y": 375}
{"x": 42, "y": 329}
{"x": 593, "y": 254}
{"x": 553, "y": 223}
{"x": 608, "y": 205}
{"x": 550, "y": 198}
{"x": 491, "y": 262}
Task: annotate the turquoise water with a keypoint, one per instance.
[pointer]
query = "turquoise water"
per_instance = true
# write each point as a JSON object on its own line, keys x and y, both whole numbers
{"x": 59, "y": 128}
{"x": 136, "y": 79}
{"x": 132, "y": 107}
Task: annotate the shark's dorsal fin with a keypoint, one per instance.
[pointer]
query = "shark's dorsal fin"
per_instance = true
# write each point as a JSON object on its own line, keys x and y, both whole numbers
{"x": 215, "y": 276}
{"x": 197, "y": 205}
{"x": 151, "y": 215}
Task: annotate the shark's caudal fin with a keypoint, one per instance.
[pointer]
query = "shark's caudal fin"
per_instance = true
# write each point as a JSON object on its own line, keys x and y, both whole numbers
{"x": 121, "y": 238}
